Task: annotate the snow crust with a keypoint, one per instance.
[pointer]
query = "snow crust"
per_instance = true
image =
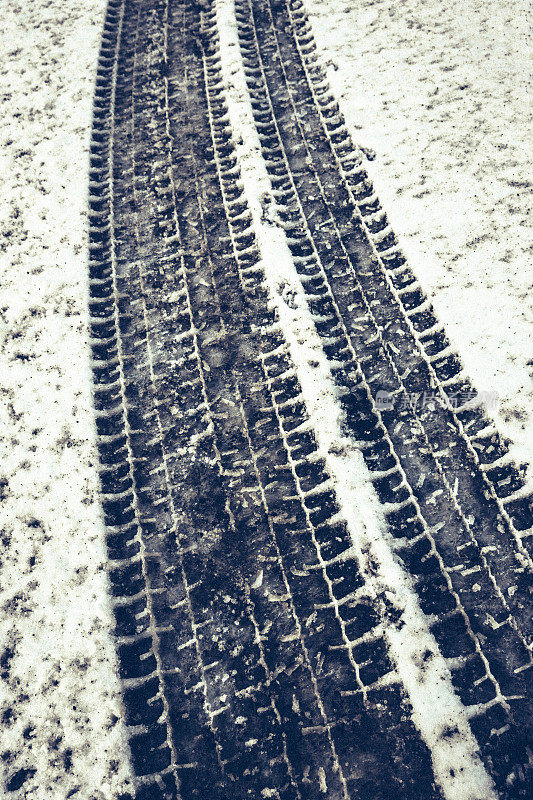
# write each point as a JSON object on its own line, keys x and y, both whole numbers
{"x": 60, "y": 728}
{"x": 437, "y": 711}
{"x": 439, "y": 90}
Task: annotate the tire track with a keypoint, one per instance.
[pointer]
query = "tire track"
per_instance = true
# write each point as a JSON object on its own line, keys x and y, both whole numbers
{"x": 253, "y": 649}
{"x": 487, "y": 521}
{"x": 133, "y": 592}
{"x": 490, "y": 453}
{"x": 278, "y": 118}
{"x": 207, "y": 520}
{"x": 167, "y": 582}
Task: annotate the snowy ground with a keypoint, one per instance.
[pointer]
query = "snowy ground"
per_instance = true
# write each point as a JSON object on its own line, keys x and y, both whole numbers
{"x": 58, "y": 688}
{"x": 438, "y": 91}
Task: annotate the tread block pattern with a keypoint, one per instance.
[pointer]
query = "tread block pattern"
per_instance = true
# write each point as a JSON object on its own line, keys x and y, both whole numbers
{"x": 465, "y": 552}
{"x": 251, "y": 663}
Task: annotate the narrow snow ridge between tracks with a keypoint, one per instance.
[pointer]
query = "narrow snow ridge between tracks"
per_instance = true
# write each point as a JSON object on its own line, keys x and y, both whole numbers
{"x": 437, "y": 711}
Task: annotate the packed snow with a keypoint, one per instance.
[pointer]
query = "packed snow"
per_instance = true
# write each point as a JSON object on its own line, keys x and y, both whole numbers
{"x": 438, "y": 90}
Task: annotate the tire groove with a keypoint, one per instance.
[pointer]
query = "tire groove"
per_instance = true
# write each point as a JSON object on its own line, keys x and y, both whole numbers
{"x": 300, "y": 495}
{"x": 211, "y": 484}
{"x": 122, "y": 423}
{"x": 261, "y": 114}
{"x": 431, "y": 331}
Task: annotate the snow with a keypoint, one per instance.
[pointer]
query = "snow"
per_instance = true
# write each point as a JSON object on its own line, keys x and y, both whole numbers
{"x": 59, "y": 694}
{"x": 437, "y": 711}
{"x": 450, "y": 169}
{"x": 440, "y": 92}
